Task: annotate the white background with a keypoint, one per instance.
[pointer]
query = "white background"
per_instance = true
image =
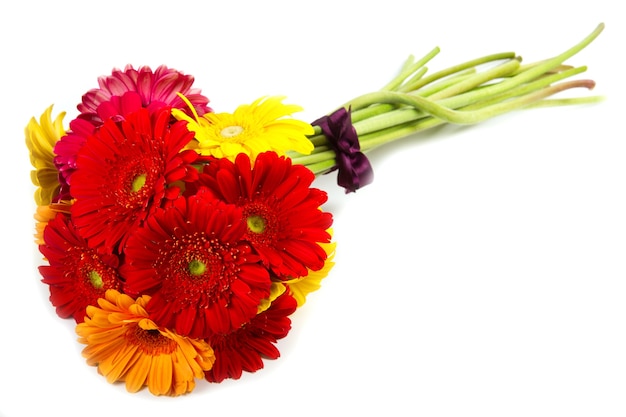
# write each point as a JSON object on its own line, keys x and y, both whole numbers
{"x": 482, "y": 273}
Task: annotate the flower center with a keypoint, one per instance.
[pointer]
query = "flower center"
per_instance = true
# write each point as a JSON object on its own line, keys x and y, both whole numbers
{"x": 138, "y": 182}
{"x": 152, "y": 341}
{"x": 256, "y": 224}
{"x": 197, "y": 267}
{"x": 95, "y": 279}
{"x": 231, "y": 131}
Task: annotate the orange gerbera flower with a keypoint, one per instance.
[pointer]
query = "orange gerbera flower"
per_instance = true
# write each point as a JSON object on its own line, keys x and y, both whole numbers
{"x": 46, "y": 213}
{"x": 127, "y": 346}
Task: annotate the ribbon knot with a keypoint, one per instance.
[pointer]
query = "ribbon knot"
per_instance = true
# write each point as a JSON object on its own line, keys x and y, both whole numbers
{"x": 354, "y": 169}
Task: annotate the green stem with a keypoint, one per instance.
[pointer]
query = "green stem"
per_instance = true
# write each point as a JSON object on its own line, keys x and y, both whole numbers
{"x": 527, "y": 88}
{"x": 500, "y": 71}
{"x": 459, "y": 94}
{"x": 409, "y": 68}
{"x": 436, "y": 87}
{"x": 322, "y": 167}
{"x": 462, "y": 67}
{"x": 391, "y": 118}
{"x": 313, "y": 158}
{"x": 373, "y": 140}
{"x": 438, "y": 75}
{"x": 531, "y": 73}
{"x": 408, "y": 114}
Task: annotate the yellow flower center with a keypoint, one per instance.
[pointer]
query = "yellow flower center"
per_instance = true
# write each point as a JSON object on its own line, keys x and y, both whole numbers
{"x": 231, "y": 131}
{"x": 95, "y": 279}
{"x": 138, "y": 182}
{"x": 256, "y": 224}
{"x": 197, "y": 267}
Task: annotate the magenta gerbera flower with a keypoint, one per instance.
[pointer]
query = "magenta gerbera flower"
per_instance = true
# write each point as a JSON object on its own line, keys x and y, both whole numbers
{"x": 124, "y": 171}
{"x": 66, "y": 151}
{"x": 156, "y": 89}
{"x": 121, "y": 93}
{"x": 191, "y": 259}
{"x": 285, "y": 224}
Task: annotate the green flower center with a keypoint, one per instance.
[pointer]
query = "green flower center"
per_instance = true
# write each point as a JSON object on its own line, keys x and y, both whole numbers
{"x": 256, "y": 224}
{"x": 231, "y": 131}
{"x": 95, "y": 279}
{"x": 197, "y": 267}
{"x": 138, "y": 182}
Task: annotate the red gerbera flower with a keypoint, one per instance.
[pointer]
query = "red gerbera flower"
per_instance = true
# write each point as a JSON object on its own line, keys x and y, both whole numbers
{"x": 119, "y": 94}
{"x": 244, "y": 348}
{"x": 77, "y": 275}
{"x": 190, "y": 258}
{"x": 67, "y": 148}
{"x": 156, "y": 89}
{"x": 125, "y": 170}
{"x": 282, "y": 212}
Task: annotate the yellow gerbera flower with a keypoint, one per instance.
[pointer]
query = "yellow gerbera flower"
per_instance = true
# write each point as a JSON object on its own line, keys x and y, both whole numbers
{"x": 276, "y": 290}
{"x": 251, "y": 129}
{"x": 302, "y": 286}
{"x": 127, "y": 346}
{"x": 40, "y": 140}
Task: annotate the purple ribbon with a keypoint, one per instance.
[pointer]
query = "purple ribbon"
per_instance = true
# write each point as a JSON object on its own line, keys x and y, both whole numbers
{"x": 354, "y": 169}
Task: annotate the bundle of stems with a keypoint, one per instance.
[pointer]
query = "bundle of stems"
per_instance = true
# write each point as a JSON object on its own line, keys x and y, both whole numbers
{"x": 467, "y": 93}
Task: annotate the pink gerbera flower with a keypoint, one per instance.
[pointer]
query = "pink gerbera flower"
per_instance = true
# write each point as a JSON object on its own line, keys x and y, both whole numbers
{"x": 156, "y": 89}
{"x": 121, "y": 93}
{"x": 66, "y": 151}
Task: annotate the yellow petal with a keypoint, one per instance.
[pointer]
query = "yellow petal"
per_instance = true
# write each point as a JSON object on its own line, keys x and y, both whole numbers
{"x": 40, "y": 140}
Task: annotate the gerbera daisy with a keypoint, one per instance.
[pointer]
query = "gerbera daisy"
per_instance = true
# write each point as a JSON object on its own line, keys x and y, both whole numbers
{"x": 282, "y": 212}
{"x": 261, "y": 126}
{"x": 44, "y": 214}
{"x": 245, "y": 348}
{"x": 127, "y": 346}
{"x": 276, "y": 290}
{"x": 69, "y": 146}
{"x": 300, "y": 287}
{"x": 159, "y": 88}
{"x": 77, "y": 275}
{"x": 66, "y": 152}
{"x": 124, "y": 171}
{"x": 203, "y": 279}
{"x": 40, "y": 140}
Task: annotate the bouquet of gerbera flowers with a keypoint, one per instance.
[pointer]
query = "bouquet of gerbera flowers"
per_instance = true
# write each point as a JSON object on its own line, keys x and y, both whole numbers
{"x": 181, "y": 240}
